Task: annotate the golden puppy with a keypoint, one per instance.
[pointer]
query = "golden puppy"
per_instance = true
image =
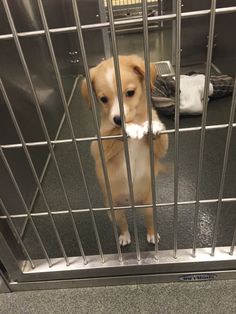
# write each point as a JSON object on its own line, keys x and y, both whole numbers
{"x": 132, "y": 71}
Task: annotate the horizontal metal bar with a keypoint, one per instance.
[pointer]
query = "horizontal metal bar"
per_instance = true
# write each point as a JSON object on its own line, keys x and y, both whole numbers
{"x": 118, "y": 137}
{"x": 85, "y": 210}
{"x": 131, "y": 266}
{"x": 137, "y": 29}
{"x": 133, "y": 8}
{"x": 152, "y": 19}
{"x": 166, "y": 256}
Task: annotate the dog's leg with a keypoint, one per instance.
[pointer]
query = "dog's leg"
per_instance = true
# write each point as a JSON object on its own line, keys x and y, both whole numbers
{"x": 161, "y": 145}
{"x": 149, "y": 225}
{"x": 121, "y": 220}
{"x": 149, "y": 221}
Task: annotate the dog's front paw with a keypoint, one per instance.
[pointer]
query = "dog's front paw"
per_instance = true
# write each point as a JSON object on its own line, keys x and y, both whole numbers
{"x": 125, "y": 238}
{"x": 134, "y": 131}
{"x": 157, "y": 127}
{"x": 151, "y": 238}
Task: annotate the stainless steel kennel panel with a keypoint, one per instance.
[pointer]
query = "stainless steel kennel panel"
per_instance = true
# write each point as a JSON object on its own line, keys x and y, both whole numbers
{"x": 26, "y": 18}
{"x": 56, "y": 248}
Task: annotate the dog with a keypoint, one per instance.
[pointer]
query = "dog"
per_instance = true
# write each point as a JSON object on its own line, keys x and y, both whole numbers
{"x": 132, "y": 72}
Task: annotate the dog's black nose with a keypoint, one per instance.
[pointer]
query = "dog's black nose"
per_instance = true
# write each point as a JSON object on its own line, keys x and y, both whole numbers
{"x": 117, "y": 120}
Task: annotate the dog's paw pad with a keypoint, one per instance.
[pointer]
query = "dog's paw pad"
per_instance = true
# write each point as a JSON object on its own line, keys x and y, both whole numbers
{"x": 151, "y": 238}
{"x": 157, "y": 127}
{"x": 125, "y": 239}
{"x": 134, "y": 131}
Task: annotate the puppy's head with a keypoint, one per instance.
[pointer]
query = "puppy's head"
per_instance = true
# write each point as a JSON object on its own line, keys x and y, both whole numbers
{"x": 132, "y": 72}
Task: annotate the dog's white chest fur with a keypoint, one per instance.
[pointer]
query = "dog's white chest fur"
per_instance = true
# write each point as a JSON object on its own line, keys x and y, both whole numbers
{"x": 139, "y": 158}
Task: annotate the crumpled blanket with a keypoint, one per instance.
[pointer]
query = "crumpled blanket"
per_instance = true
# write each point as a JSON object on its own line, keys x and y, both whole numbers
{"x": 191, "y": 92}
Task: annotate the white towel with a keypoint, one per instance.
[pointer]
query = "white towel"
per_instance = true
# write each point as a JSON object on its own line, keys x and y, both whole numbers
{"x": 191, "y": 93}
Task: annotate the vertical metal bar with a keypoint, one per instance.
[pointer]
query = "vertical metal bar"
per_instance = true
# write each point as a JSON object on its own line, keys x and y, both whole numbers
{"x": 224, "y": 168}
{"x": 160, "y": 10}
{"x": 173, "y": 34}
{"x": 233, "y": 243}
{"x": 149, "y": 110}
{"x": 63, "y": 98}
{"x": 31, "y": 167}
{"x": 204, "y": 117}
{"x": 177, "y": 106}
{"x": 95, "y": 118}
{"x": 105, "y": 35}
{"x": 16, "y": 234}
{"x": 121, "y": 107}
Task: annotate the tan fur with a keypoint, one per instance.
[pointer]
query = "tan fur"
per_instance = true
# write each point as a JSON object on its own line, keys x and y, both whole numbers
{"x": 132, "y": 71}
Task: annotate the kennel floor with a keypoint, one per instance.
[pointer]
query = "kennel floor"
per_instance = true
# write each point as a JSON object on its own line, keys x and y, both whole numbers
{"x": 218, "y": 113}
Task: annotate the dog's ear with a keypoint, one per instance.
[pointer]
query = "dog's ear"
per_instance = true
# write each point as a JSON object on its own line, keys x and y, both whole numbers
{"x": 139, "y": 68}
{"x": 84, "y": 87}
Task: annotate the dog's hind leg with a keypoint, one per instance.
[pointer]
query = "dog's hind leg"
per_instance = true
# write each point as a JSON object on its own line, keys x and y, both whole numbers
{"x": 121, "y": 221}
{"x": 149, "y": 221}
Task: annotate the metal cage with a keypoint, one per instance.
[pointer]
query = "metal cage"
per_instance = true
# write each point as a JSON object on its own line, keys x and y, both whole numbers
{"x": 44, "y": 228}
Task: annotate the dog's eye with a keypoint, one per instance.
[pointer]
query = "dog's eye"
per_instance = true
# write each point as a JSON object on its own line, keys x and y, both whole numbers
{"x": 130, "y": 93}
{"x": 104, "y": 99}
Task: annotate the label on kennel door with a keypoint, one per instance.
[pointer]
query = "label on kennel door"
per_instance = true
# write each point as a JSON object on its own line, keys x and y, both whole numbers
{"x": 198, "y": 277}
